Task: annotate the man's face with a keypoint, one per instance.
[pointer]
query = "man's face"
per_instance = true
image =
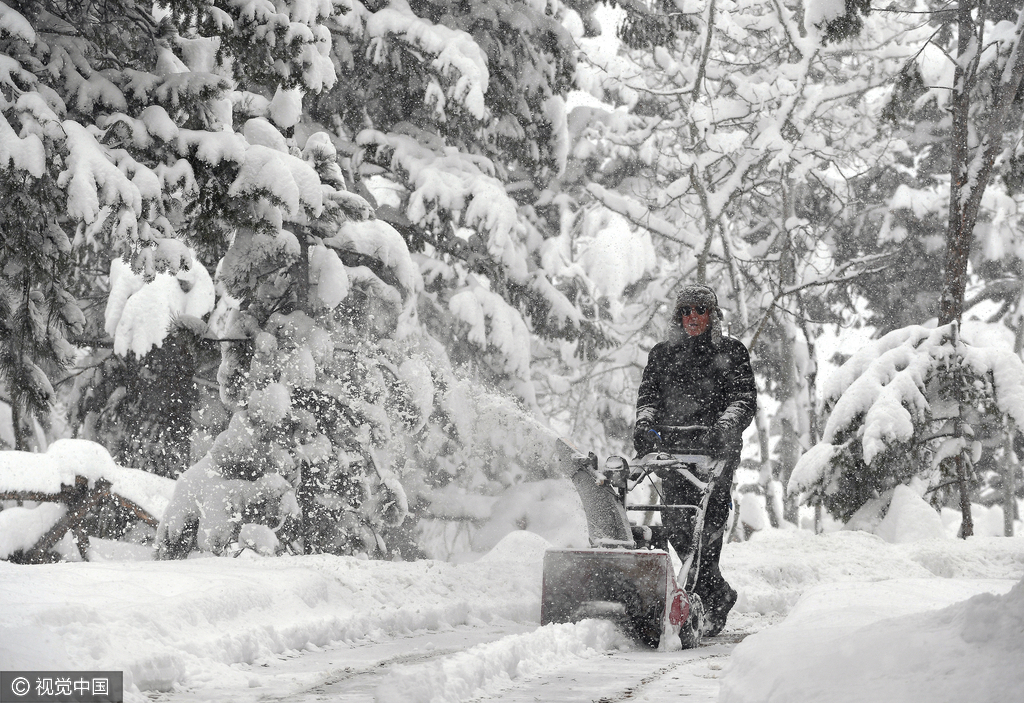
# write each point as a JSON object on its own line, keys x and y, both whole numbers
{"x": 696, "y": 319}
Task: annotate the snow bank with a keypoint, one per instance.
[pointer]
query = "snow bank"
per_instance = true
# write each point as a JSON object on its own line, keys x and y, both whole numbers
{"x": 21, "y": 527}
{"x": 775, "y": 568}
{"x": 910, "y": 518}
{"x": 857, "y": 642}
{"x": 488, "y": 667}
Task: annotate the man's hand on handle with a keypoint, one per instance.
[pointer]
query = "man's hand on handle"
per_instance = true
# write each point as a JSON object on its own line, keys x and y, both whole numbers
{"x": 645, "y": 439}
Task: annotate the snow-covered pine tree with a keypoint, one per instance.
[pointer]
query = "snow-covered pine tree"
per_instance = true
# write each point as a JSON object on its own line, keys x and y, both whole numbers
{"x": 168, "y": 125}
{"x": 900, "y": 411}
{"x": 455, "y": 118}
{"x": 37, "y": 310}
{"x": 93, "y": 96}
{"x": 312, "y": 290}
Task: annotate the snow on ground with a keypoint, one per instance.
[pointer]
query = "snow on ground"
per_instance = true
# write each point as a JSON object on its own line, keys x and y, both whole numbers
{"x": 844, "y": 606}
{"x": 896, "y": 640}
{"x": 187, "y": 623}
{"x": 867, "y": 620}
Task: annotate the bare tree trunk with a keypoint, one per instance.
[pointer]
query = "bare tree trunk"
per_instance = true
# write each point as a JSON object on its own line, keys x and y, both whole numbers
{"x": 1010, "y": 464}
{"x": 22, "y": 432}
{"x": 812, "y": 398}
{"x": 766, "y": 478}
{"x": 789, "y": 447}
{"x": 309, "y": 474}
{"x": 812, "y": 375}
{"x": 960, "y": 229}
{"x": 1012, "y": 460}
{"x": 790, "y": 385}
{"x": 970, "y": 172}
{"x": 960, "y": 462}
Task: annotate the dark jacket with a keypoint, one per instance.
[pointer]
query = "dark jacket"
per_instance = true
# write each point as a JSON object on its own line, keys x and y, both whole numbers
{"x": 691, "y": 381}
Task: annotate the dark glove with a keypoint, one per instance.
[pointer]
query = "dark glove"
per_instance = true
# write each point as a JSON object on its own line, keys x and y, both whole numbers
{"x": 645, "y": 439}
{"x": 714, "y": 440}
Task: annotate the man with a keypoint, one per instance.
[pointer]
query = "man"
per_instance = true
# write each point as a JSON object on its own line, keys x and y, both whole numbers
{"x": 699, "y": 377}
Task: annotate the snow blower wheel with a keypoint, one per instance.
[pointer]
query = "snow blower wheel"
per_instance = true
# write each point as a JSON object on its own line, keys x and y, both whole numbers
{"x": 691, "y": 631}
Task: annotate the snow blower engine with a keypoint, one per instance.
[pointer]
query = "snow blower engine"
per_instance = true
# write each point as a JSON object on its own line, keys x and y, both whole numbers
{"x": 626, "y": 575}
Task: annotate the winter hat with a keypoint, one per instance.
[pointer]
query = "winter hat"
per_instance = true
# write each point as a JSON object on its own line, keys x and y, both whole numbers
{"x": 697, "y": 294}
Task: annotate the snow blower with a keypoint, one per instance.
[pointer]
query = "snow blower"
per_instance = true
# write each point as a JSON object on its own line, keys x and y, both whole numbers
{"x": 626, "y": 575}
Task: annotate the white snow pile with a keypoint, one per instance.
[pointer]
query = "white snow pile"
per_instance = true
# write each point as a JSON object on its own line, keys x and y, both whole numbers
{"x": 776, "y": 568}
{"x": 909, "y": 518}
{"x": 488, "y": 667}
{"x": 170, "y": 625}
{"x": 21, "y": 526}
{"x": 871, "y": 621}
{"x": 859, "y": 642}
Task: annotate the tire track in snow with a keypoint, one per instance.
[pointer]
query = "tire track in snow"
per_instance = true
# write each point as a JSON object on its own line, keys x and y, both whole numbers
{"x": 694, "y": 677}
{"x": 549, "y": 665}
{"x": 632, "y": 691}
{"x": 511, "y": 663}
{"x": 637, "y": 676}
{"x": 372, "y": 665}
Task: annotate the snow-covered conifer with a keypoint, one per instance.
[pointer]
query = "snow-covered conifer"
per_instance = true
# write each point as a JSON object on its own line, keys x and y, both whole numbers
{"x": 901, "y": 408}
{"x": 455, "y": 114}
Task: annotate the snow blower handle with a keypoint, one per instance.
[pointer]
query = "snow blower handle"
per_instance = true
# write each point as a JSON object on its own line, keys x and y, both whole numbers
{"x": 681, "y": 447}
{"x": 683, "y": 439}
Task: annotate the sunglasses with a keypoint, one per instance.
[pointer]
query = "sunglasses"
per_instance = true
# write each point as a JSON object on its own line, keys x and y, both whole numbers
{"x": 699, "y": 309}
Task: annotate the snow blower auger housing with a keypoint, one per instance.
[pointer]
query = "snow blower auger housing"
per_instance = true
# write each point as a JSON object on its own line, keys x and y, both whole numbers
{"x": 626, "y": 575}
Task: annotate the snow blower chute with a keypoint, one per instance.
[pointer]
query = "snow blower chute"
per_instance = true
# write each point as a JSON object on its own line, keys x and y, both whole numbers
{"x": 626, "y": 575}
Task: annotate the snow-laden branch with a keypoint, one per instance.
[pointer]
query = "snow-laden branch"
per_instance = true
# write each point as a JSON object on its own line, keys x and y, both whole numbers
{"x": 494, "y": 323}
{"x": 837, "y": 277}
{"x": 641, "y": 216}
{"x": 452, "y": 49}
{"x": 448, "y": 183}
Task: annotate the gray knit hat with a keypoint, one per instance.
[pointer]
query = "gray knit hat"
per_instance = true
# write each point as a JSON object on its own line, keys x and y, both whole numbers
{"x": 696, "y": 294}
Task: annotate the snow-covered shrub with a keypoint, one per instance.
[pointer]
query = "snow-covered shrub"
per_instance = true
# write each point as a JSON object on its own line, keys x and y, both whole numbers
{"x": 108, "y": 502}
{"x": 309, "y": 376}
{"x": 893, "y": 410}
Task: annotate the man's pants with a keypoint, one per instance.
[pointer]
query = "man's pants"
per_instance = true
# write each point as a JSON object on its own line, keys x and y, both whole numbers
{"x": 710, "y": 584}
